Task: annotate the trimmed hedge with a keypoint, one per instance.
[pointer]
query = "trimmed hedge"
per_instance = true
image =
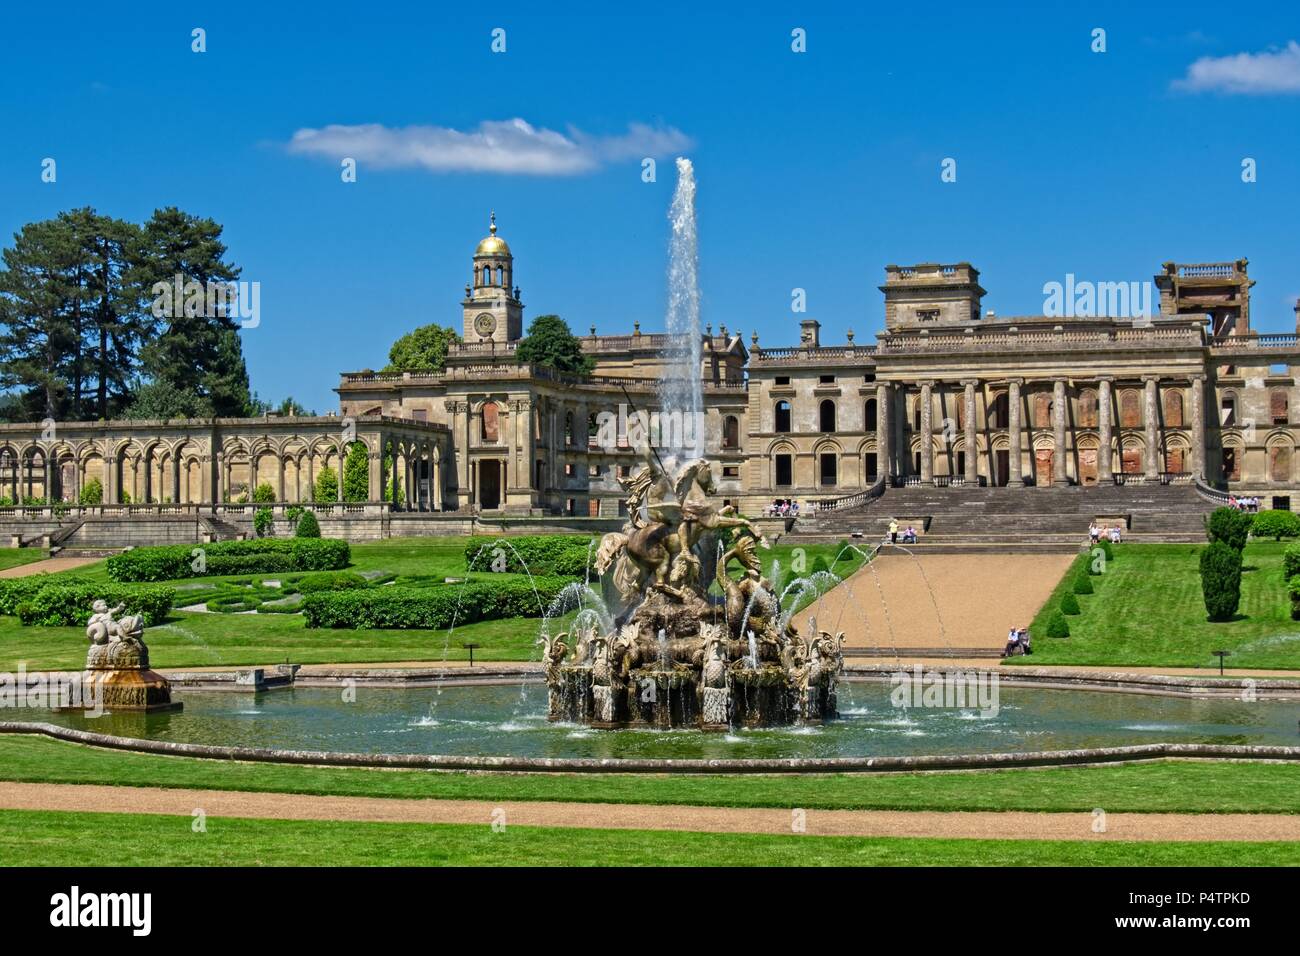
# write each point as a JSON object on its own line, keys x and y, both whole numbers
{"x": 307, "y": 526}
{"x": 69, "y": 604}
{"x": 1228, "y": 525}
{"x": 169, "y": 562}
{"x": 434, "y": 607}
{"x": 1069, "y": 604}
{"x": 15, "y": 591}
{"x": 1290, "y": 562}
{"x": 548, "y": 554}
{"x": 1082, "y": 583}
{"x": 325, "y": 581}
{"x": 1293, "y": 589}
{"x": 1275, "y": 524}
{"x": 1221, "y": 580}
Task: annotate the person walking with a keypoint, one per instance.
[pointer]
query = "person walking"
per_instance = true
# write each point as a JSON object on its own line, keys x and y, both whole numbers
{"x": 893, "y": 531}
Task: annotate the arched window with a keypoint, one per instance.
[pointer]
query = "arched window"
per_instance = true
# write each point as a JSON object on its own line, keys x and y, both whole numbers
{"x": 1042, "y": 410}
{"x": 1279, "y": 463}
{"x": 1130, "y": 409}
{"x": 491, "y": 422}
{"x": 1087, "y": 408}
{"x": 869, "y": 415}
{"x": 782, "y": 416}
{"x": 1173, "y": 409}
{"x": 1001, "y": 411}
{"x": 731, "y": 432}
{"x": 826, "y": 415}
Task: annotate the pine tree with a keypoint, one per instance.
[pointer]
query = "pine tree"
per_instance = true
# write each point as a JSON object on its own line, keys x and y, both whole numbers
{"x": 193, "y": 351}
{"x": 356, "y": 473}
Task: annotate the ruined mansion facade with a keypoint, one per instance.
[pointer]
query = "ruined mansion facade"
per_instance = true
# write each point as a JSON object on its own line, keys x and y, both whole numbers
{"x": 948, "y": 394}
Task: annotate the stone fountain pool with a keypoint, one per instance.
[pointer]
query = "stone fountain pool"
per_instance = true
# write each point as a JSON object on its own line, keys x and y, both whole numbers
{"x": 511, "y": 721}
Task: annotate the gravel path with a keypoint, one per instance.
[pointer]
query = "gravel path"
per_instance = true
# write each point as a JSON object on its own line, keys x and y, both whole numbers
{"x": 46, "y": 566}
{"x": 978, "y": 596}
{"x": 982, "y": 825}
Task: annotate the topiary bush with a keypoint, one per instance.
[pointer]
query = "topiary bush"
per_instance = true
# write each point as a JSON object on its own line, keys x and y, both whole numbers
{"x": 169, "y": 562}
{"x": 68, "y": 604}
{"x": 1221, "y": 580}
{"x": 1229, "y": 526}
{"x": 1293, "y": 589}
{"x": 1275, "y": 524}
{"x": 1069, "y": 604}
{"x": 544, "y": 554}
{"x": 264, "y": 494}
{"x": 1057, "y": 626}
{"x": 1291, "y": 562}
{"x": 434, "y": 607}
{"x": 1082, "y": 583}
{"x": 308, "y": 526}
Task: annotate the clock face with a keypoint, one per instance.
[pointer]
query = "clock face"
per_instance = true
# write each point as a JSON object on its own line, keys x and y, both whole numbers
{"x": 485, "y": 323}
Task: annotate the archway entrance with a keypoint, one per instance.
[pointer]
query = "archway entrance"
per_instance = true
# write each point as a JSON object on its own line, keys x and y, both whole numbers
{"x": 1088, "y": 466}
{"x": 489, "y": 484}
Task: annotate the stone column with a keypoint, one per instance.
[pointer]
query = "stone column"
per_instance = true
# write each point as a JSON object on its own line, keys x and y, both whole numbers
{"x": 1015, "y": 474}
{"x": 1151, "y": 413}
{"x": 1198, "y": 427}
{"x": 1059, "y": 476}
{"x": 435, "y": 478}
{"x": 883, "y": 423}
{"x": 375, "y": 459}
{"x": 223, "y": 479}
{"x": 1105, "y": 467}
{"x": 342, "y": 456}
{"x": 927, "y": 443}
{"x": 972, "y": 452}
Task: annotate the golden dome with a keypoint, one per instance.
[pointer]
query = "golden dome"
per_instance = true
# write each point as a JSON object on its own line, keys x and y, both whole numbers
{"x": 493, "y": 245}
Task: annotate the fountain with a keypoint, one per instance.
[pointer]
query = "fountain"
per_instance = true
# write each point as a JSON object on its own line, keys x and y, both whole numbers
{"x": 118, "y": 675}
{"x": 677, "y": 655}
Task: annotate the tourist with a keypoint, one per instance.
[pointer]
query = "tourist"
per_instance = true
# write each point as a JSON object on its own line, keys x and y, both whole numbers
{"x": 1024, "y": 641}
{"x": 1114, "y": 535}
{"x": 1013, "y": 642}
{"x": 909, "y": 536}
{"x": 893, "y": 531}
{"x": 1233, "y": 503}
{"x": 1094, "y": 532}
{"x": 794, "y": 509}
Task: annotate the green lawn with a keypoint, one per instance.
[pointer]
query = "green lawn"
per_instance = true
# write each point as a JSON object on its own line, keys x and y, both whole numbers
{"x": 45, "y": 838}
{"x": 1165, "y": 787}
{"x": 197, "y": 639}
{"x": 1148, "y": 609}
{"x": 13, "y": 557}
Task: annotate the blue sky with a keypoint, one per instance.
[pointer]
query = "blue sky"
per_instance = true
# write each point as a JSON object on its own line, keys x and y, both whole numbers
{"x": 814, "y": 169}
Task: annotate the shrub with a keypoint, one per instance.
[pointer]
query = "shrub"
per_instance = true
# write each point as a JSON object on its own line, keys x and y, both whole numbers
{"x": 68, "y": 604}
{"x": 1229, "y": 526}
{"x": 1057, "y": 626}
{"x": 308, "y": 526}
{"x": 549, "y": 554}
{"x": 1275, "y": 524}
{"x": 263, "y": 522}
{"x": 264, "y": 494}
{"x": 356, "y": 473}
{"x": 326, "y": 487}
{"x": 1293, "y": 588}
{"x": 433, "y": 607}
{"x": 92, "y": 492}
{"x": 1082, "y": 583}
{"x": 168, "y": 562}
{"x": 16, "y": 591}
{"x": 1291, "y": 562}
{"x": 1221, "y": 580}
{"x": 1070, "y": 604}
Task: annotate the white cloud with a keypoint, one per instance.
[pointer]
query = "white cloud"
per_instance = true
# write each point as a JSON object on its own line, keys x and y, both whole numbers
{"x": 1273, "y": 71}
{"x": 496, "y": 146}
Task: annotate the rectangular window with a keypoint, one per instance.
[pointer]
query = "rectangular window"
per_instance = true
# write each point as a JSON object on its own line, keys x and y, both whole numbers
{"x": 927, "y": 315}
{"x": 784, "y": 471}
{"x": 781, "y": 380}
{"x": 828, "y": 379}
{"x": 730, "y": 471}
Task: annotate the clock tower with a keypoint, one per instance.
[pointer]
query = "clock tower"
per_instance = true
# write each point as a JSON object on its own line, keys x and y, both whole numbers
{"x": 493, "y": 311}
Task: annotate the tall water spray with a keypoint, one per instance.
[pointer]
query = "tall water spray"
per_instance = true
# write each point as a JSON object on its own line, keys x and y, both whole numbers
{"x": 681, "y": 393}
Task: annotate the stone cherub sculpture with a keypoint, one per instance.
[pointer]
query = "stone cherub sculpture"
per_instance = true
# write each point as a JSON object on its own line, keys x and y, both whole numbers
{"x": 115, "y": 643}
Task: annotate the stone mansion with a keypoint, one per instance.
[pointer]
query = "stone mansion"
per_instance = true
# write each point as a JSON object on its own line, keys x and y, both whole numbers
{"x": 948, "y": 395}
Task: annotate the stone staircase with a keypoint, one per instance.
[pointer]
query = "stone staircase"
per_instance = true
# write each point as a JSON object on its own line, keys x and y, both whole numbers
{"x": 1052, "y": 519}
